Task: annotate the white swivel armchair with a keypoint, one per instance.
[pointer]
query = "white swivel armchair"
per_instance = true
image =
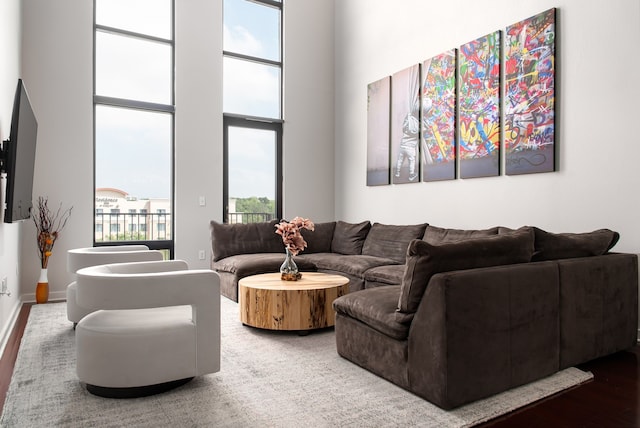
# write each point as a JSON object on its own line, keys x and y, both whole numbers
{"x": 158, "y": 328}
{"x": 92, "y": 256}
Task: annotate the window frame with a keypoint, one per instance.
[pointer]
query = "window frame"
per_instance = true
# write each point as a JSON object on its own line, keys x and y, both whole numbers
{"x": 253, "y": 122}
{"x": 101, "y": 100}
{"x": 230, "y": 120}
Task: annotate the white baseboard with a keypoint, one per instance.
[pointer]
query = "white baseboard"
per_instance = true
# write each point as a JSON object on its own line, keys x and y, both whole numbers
{"x": 53, "y": 296}
{"x": 8, "y": 327}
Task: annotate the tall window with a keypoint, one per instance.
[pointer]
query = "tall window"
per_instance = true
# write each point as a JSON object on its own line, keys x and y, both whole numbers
{"x": 134, "y": 121}
{"x": 252, "y": 104}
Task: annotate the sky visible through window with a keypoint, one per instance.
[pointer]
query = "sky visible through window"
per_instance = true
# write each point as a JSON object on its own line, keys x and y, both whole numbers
{"x": 251, "y": 89}
{"x": 133, "y": 148}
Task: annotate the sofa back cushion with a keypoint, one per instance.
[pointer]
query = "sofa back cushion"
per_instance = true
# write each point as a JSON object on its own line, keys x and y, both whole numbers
{"x": 232, "y": 239}
{"x": 319, "y": 239}
{"x": 552, "y": 246}
{"x": 348, "y": 238}
{"x": 391, "y": 242}
{"x": 425, "y": 260}
{"x": 439, "y": 235}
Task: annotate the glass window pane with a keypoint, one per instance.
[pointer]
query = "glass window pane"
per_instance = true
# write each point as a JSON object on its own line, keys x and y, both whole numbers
{"x": 151, "y": 17}
{"x": 135, "y": 69}
{"x": 133, "y": 152}
{"x": 251, "y": 89}
{"x": 252, "y": 29}
{"x": 252, "y": 174}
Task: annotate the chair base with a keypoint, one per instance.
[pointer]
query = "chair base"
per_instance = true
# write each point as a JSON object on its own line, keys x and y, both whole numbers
{"x": 136, "y": 391}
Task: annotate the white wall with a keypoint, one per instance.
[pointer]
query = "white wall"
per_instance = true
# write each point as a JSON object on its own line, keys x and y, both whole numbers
{"x": 198, "y": 143}
{"x": 57, "y": 70}
{"x": 308, "y": 114}
{"x": 597, "y": 109}
{"x": 309, "y": 110}
{"x": 9, "y": 233}
{"x": 57, "y": 67}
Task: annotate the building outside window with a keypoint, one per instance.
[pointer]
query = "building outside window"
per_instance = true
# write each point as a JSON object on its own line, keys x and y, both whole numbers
{"x": 129, "y": 214}
{"x": 133, "y": 115}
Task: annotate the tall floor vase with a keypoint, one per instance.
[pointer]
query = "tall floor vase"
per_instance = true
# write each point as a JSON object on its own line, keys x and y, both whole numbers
{"x": 42, "y": 288}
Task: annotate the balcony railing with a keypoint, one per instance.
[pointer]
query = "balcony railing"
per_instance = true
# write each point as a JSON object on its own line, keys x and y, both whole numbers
{"x": 111, "y": 227}
{"x": 132, "y": 227}
{"x": 250, "y": 217}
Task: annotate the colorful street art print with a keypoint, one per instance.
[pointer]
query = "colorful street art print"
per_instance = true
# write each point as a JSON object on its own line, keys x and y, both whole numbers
{"x": 530, "y": 95}
{"x": 378, "y": 111}
{"x": 479, "y": 107}
{"x": 405, "y": 125}
{"x": 439, "y": 117}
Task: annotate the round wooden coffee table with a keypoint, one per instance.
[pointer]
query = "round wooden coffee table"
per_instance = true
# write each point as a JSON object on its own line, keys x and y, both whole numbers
{"x": 266, "y": 301}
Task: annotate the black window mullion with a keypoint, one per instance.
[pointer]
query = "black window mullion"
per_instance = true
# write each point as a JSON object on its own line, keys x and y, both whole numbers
{"x": 99, "y": 100}
{"x": 252, "y": 122}
{"x": 134, "y": 104}
{"x": 251, "y": 58}
{"x": 121, "y": 32}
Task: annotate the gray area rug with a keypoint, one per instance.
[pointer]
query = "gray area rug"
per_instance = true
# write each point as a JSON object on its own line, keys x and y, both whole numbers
{"x": 267, "y": 379}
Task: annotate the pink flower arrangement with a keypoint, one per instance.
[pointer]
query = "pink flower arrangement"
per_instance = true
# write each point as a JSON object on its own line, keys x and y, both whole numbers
{"x": 291, "y": 236}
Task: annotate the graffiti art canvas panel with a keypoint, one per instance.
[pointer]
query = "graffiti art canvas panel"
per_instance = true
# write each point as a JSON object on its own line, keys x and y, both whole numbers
{"x": 479, "y": 107}
{"x": 405, "y": 125}
{"x": 378, "y": 119}
{"x": 439, "y": 117}
{"x": 530, "y": 95}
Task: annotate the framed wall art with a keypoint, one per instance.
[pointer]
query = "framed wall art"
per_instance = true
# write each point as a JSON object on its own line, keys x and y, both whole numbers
{"x": 479, "y": 107}
{"x": 530, "y": 95}
{"x": 439, "y": 117}
{"x": 378, "y": 120}
{"x": 405, "y": 125}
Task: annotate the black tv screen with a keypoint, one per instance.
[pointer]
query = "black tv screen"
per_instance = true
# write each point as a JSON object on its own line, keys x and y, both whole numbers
{"x": 19, "y": 155}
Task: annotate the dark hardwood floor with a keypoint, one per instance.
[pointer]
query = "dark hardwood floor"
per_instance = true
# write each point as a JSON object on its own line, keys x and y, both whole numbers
{"x": 10, "y": 353}
{"x": 611, "y": 400}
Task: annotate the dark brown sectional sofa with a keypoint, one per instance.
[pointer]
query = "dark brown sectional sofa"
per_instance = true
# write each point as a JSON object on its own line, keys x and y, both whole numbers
{"x": 369, "y": 255}
{"x": 457, "y": 315}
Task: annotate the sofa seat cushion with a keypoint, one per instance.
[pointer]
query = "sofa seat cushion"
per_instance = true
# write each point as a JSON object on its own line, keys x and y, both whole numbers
{"x": 350, "y": 264}
{"x": 425, "y": 260}
{"x": 387, "y": 274}
{"x": 243, "y": 265}
{"x": 391, "y": 241}
{"x": 376, "y": 308}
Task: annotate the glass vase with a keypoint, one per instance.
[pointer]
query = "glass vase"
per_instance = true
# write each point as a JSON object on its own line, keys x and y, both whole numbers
{"x": 42, "y": 288}
{"x": 289, "y": 269}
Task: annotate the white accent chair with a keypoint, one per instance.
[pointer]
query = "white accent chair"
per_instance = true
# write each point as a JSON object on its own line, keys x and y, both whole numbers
{"x": 158, "y": 328}
{"x": 92, "y": 256}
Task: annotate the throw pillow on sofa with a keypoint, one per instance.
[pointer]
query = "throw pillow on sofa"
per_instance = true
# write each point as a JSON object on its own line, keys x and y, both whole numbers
{"x": 233, "y": 239}
{"x": 552, "y": 246}
{"x": 425, "y": 260}
{"x": 390, "y": 241}
{"x": 439, "y": 235}
{"x": 319, "y": 239}
{"x": 348, "y": 238}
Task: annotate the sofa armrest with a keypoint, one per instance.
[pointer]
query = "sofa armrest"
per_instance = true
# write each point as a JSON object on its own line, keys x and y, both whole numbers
{"x": 481, "y": 331}
{"x": 598, "y": 306}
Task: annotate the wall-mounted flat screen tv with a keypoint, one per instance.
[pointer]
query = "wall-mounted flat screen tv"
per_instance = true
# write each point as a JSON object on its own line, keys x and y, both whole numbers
{"x": 18, "y": 157}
